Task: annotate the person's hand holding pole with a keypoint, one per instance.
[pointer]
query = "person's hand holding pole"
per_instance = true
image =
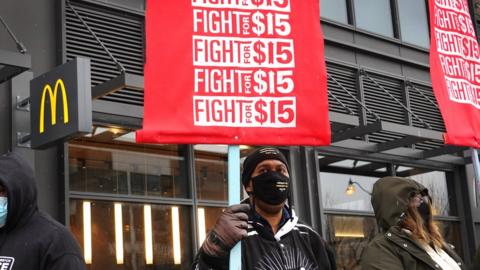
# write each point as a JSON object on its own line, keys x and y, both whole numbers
{"x": 230, "y": 228}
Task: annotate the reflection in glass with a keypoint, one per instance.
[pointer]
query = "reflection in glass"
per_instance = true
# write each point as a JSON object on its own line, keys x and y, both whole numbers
{"x": 147, "y": 215}
{"x": 334, "y": 196}
{"x": 118, "y": 233}
{"x": 87, "y": 232}
{"x": 350, "y": 236}
{"x": 436, "y": 182}
{"x": 413, "y": 22}
{"x": 126, "y": 169}
{"x": 211, "y": 172}
{"x": 207, "y": 216}
{"x": 451, "y": 233}
{"x": 202, "y": 229}
{"x": 374, "y": 16}
{"x": 177, "y": 257}
{"x": 150, "y": 235}
{"x": 334, "y": 9}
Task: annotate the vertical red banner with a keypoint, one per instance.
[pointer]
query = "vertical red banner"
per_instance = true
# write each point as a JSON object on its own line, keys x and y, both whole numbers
{"x": 235, "y": 72}
{"x": 455, "y": 70}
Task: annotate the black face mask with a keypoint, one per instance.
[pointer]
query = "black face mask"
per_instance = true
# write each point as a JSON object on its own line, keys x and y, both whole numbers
{"x": 424, "y": 212}
{"x": 271, "y": 187}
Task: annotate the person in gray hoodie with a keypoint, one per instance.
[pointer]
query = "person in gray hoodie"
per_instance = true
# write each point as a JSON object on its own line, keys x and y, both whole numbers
{"x": 29, "y": 238}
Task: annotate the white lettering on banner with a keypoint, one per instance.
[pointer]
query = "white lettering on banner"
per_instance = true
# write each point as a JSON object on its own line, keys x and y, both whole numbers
{"x": 244, "y": 60}
{"x": 457, "y": 5}
{"x": 233, "y": 111}
{"x": 458, "y": 51}
{"x": 233, "y": 22}
{"x": 235, "y": 81}
{"x": 6, "y": 263}
{"x": 243, "y": 52}
{"x": 274, "y": 5}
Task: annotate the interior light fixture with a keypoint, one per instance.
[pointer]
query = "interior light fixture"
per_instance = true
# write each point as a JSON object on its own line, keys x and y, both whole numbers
{"x": 350, "y": 235}
{"x": 87, "y": 232}
{"x": 351, "y": 188}
{"x": 177, "y": 255}
{"x": 202, "y": 231}
{"x": 118, "y": 233}
{"x": 147, "y": 215}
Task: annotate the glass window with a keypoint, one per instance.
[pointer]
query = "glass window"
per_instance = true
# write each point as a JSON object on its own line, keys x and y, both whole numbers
{"x": 334, "y": 195}
{"x": 335, "y": 10}
{"x": 207, "y": 216}
{"x": 374, "y": 16}
{"x": 413, "y": 22}
{"x": 436, "y": 182}
{"x": 451, "y": 233}
{"x": 151, "y": 235}
{"x": 125, "y": 169}
{"x": 211, "y": 172}
{"x": 350, "y": 236}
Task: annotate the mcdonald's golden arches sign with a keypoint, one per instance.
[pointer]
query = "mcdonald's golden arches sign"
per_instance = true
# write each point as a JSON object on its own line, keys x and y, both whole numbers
{"x": 61, "y": 103}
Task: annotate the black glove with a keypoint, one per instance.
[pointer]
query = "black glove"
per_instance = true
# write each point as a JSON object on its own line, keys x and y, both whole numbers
{"x": 230, "y": 228}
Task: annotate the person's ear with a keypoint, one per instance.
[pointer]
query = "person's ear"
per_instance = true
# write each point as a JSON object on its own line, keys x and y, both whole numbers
{"x": 249, "y": 187}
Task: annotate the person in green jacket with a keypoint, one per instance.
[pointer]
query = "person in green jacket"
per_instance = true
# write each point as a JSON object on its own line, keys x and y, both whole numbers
{"x": 410, "y": 239}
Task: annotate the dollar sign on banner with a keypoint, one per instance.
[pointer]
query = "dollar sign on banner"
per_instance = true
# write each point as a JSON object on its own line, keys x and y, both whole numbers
{"x": 259, "y": 27}
{"x": 263, "y": 115}
{"x": 260, "y": 56}
{"x": 261, "y": 85}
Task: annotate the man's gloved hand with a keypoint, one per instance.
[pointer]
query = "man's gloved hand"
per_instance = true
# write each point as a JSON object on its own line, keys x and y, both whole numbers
{"x": 230, "y": 228}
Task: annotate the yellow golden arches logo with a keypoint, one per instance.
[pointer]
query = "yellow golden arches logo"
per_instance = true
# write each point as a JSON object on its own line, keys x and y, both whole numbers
{"x": 53, "y": 104}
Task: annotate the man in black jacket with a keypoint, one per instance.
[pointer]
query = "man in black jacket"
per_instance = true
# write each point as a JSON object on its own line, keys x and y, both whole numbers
{"x": 271, "y": 236}
{"x": 29, "y": 238}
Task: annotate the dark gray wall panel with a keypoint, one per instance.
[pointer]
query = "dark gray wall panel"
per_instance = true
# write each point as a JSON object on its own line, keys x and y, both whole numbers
{"x": 415, "y": 55}
{"x": 4, "y": 117}
{"x": 379, "y": 64}
{"x": 413, "y": 73}
{"x": 379, "y": 45}
{"x": 36, "y": 24}
{"x": 337, "y": 33}
{"x": 340, "y": 54}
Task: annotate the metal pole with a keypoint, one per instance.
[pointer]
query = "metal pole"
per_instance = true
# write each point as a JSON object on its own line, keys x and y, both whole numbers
{"x": 476, "y": 169}
{"x": 234, "y": 198}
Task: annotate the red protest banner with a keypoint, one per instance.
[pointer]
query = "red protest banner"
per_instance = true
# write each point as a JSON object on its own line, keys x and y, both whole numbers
{"x": 455, "y": 70}
{"x": 235, "y": 72}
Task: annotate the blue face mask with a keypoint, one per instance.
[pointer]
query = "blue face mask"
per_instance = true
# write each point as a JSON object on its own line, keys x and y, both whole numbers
{"x": 3, "y": 211}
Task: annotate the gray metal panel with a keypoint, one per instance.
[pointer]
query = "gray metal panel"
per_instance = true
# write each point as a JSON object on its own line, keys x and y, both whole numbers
{"x": 413, "y": 73}
{"x": 347, "y": 81}
{"x": 380, "y": 45}
{"x": 380, "y": 64}
{"x": 122, "y": 34}
{"x": 415, "y": 54}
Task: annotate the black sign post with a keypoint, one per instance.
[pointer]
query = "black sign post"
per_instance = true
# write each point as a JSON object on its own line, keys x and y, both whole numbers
{"x": 61, "y": 104}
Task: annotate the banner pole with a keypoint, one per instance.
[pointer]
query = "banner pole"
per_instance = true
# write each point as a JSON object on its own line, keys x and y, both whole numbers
{"x": 234, "y": 198}
{"x": 476, "y": 169}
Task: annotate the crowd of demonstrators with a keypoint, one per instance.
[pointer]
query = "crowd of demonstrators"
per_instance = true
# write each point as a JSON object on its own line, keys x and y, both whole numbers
{"x": 410, "y": 239}
{"x": 269, "y": 231}
{"x": 29, "y": 238}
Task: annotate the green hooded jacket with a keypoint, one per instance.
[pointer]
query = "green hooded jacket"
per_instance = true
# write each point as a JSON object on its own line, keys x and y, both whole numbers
{"x": 395, "y": 249}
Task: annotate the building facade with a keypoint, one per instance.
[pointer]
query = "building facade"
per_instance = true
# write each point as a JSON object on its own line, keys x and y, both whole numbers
{"x": 134, "y": 206}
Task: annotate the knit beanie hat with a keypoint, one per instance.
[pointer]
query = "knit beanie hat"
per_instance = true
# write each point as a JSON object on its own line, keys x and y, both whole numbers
{"x": 258, "y": 156}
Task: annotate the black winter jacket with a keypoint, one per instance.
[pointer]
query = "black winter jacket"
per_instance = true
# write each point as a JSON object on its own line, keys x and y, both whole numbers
{"x": 31, "y": 240}
{"x": 294, "y": 246}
